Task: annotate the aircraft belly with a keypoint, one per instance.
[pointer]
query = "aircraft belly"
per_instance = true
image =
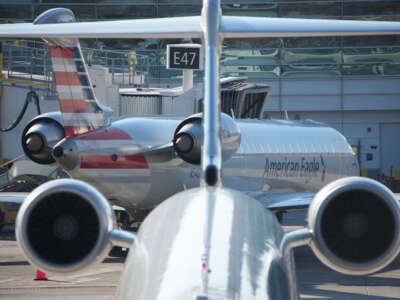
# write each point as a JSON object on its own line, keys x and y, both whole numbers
{"x": 136, "y": 188}
{"x": 164, "y": 183}
{"x": 126, "y": 187}
{"x": 237, "y": 176}
{"x": 146, "y": 188}
{"x": 243, "y": 259}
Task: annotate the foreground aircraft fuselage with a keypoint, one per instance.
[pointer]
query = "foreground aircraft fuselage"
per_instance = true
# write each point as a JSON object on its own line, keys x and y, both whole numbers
{"x": 270, "y": 156}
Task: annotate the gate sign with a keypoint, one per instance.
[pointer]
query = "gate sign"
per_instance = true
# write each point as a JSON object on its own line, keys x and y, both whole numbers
{"x": 185, "y": 56}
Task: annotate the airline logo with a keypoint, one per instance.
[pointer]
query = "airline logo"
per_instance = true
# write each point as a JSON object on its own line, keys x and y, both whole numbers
{"x": 295, "y": 167}
{"x": 305, "y": 166}
{"x": 323, "y": 173}
{"x": 77, "y": 101}
{"x": 108, "y": 138}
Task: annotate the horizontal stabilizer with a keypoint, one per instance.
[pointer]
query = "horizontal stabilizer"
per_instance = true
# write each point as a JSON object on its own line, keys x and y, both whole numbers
{"x": 190, "y": 27}
{"x": 287, "y": 201}
{"x": 155, "y": 154}
{"x": 159, "y": 149}
{"x": 247, "y": 27}
{"x": 181, "y": 27}
{"x": 13, "y": 197}
{"x": 283, "y": 201}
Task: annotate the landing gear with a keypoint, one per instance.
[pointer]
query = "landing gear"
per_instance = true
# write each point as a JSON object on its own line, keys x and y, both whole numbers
{"x": 128, "y": 220}
{"x": 118, "y": 252}
{"x": 138, "y": 215}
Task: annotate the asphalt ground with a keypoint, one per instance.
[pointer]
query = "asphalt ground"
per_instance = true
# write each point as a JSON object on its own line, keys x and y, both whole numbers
{"x": 101, "y": 281}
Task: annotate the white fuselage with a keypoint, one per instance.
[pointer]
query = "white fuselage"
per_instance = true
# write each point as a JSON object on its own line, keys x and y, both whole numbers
{"x": 235, "y": 256}
{"x": 276, "y": 156}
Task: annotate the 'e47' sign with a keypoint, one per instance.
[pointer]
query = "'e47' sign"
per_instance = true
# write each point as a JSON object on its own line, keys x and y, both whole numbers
{"x": 185, "y": 56}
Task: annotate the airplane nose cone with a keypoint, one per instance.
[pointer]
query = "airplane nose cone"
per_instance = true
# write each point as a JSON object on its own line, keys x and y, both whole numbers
{"x": 184, "y": 143}
{"x": 34, "y": 143}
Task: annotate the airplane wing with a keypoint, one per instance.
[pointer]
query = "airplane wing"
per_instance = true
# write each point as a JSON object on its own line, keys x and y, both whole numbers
{"x": 283, "y": 201}
{"x": 190, "y": 27}
{"x": 181, "y": 27}
{"x": 287, "y": 201}
{"x": 397, "y": 195}
{"x": 241, "y": 27}
{"x": 13, "y": 197}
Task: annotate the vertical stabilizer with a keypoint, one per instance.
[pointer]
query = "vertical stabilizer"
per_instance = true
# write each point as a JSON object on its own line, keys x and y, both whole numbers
{"x": 79, "y": 107}
{"x": 212, "y": 151}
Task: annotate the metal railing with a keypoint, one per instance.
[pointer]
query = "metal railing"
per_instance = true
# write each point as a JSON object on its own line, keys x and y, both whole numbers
{"x": 30, "y": 60}
{"x": 127, "y": 68}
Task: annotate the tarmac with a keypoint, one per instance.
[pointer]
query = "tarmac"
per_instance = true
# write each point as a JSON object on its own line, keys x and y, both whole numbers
{"x": 101, "y": 281}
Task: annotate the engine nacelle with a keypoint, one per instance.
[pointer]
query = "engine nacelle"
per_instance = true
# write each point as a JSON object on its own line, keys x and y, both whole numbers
{"x": 65, "y": 225}
{"x": 355, "y": 223}
{"x": 40, "y": 135}
{"x": 188, "y": 138}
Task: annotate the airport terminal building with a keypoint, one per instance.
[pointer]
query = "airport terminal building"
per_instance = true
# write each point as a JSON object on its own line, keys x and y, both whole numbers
{"x": 352, "y": 84}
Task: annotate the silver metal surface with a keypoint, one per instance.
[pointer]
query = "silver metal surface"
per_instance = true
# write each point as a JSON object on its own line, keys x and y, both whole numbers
{"x": 49, "y": 131}
{"x": 66, "y": 153}
{"x": 290, "y": 241}
{"x": 149, "y": 28}
{"x": 103, "y": 211}
{"x": 122, "y": 238}
{"x": 338, "y": 191}
{"x": 13, "y": 197}
{"x": 54, "y": 16}
{"x": 211, "y": 157}
{"x": 188, "y": 141}
{"x": 188, "y": 138}
{"x": 191, "y": 27}
{"x": 245, "y": 27}
{"x": 244, "y": 261}
{"x": 295, "y": 239}
{"x": 273, "y": 156}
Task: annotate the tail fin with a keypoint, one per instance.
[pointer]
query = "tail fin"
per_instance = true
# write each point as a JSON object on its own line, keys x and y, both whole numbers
{"x": 79, "y": 107}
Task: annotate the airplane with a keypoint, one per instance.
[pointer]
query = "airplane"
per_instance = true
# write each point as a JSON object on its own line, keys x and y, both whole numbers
{"x": 209, "y": 242}
{"x": 138, "y": 162}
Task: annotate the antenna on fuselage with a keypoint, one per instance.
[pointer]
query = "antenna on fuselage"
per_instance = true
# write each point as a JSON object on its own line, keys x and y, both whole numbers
{"x": 211, "y": 152}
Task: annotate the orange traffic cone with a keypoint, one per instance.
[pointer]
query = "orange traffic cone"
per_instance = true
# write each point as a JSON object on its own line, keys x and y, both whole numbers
{"x": 40, "y": 275}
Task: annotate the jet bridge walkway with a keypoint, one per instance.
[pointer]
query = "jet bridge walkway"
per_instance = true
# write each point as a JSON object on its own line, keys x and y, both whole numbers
{"x": 242, "y": 99}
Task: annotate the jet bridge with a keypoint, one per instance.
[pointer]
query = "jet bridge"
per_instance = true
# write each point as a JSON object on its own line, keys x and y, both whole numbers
{"x": 243, "y": 99}
{"x": 239, "y": 98}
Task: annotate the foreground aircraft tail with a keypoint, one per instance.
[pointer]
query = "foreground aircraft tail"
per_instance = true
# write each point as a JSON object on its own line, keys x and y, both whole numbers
{"x": 79, "y": 107}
